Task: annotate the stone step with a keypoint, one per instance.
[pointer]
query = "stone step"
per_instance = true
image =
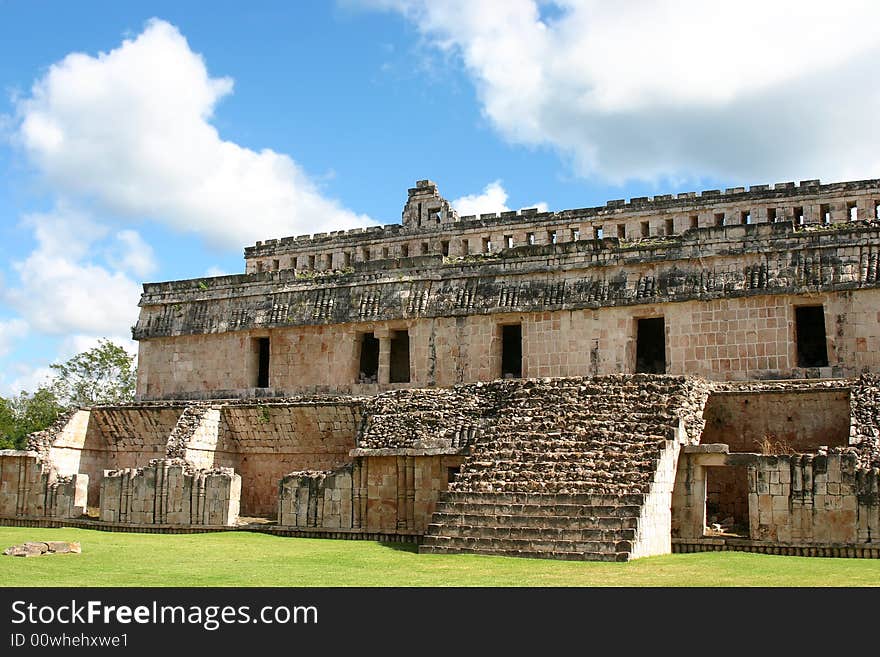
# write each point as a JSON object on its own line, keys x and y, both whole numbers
{"x": 571, "y": 534}
{"x": 561, "y": 556}
{"x": 601, "y": 523}
{"x": 541, "y": 500}
{"x": 525, "y": 545}
{"x": 513, "y": 516}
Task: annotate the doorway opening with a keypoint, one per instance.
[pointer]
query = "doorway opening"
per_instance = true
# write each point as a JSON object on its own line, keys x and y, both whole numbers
{"x": 812, "y": 350}
{"x": 511, "y": 351}
{"x": 651, "y": 346}
{"x": 368, "y": 371}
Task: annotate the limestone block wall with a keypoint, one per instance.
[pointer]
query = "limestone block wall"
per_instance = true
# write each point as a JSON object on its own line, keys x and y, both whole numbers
{"x": 171, "y": 492}
{"x": 264, "y": 442}
{"x": 801, "y": 419}
{"x": 737, "y": 338}
{"x": 316, "y": 499}
{"x": 112, "y": 437}
{"x": 806, "y": 498}
{"x": 29, "y": 486}
{"x": 387, "y": 494}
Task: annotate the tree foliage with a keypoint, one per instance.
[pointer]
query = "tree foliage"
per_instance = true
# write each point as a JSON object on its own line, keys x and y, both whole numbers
{"x": 105, "y": 374}
{"x": 24, "y": 414}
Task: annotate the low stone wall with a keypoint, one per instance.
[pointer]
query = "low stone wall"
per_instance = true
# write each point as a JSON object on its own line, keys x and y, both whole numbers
{"x": 316, "y": 499}
{"x": 386, "y": 494}
{"x": 29, "y": 486}
{"x": 805, "y": 498}
{"x": 171, "y": 492}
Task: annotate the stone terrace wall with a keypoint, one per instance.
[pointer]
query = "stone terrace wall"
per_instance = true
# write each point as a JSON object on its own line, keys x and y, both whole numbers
{"x": 29, "y": 486}
{"x": 264, "y": 442}
{"x": 106, "y": 437}
{"x": 171, "y": 492}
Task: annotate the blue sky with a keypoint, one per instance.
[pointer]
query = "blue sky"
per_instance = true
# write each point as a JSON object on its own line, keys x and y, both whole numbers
{"x": 154, "y": 141}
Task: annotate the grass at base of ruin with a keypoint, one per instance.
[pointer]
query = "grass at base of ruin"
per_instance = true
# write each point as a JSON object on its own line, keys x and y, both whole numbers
{"x": 246, "y": 559}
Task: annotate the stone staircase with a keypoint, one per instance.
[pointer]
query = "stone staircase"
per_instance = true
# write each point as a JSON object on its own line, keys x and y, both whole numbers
{"x": 572, "y": 469}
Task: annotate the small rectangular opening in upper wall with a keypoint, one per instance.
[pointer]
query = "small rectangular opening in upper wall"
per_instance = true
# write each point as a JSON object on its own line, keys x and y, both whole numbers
{"x": 621, "y": 231}
{"x": 487, "y": 245}
{"x": 551, "y": 237}
{"x": 695, "y": 221}
{"x": 599, "y": 233}
{"x": 719, "y": 219}
{"x": 852, "y": 210}
{"x": 530, "y": 238}
{"x": 825, "y": 213}
{"x": 262, "y": 348}
{"x": 444, "y": 247}
{"x": 465, "y": 247}
{"x": 798, "y": 215}
{"x": 404, "y": 250}
{"x": 399, "y": 357}
{"x": 771, "y": 215}
{"x": 745, "y": 217}
{"x": 670, "y": 226}
{"x": 508, "y": 241}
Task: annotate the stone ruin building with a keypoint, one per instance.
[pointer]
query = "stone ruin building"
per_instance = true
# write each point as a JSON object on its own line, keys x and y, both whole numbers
{"x": 678, "y": 373}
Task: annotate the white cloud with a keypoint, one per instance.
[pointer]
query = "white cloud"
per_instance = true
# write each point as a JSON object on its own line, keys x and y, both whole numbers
{"x": 62, "y": 291}
{"x": 10, "y": 331}
{"x": 492, "y": 199}
{"x": 757, "y": 90}
{"x": 131, "y": 253}
{"x": 130, "y": 130}
{"x": 24, "y": 378}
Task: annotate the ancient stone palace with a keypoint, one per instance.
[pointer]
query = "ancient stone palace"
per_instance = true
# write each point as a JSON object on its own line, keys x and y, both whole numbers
{"x": 683, "y": 372}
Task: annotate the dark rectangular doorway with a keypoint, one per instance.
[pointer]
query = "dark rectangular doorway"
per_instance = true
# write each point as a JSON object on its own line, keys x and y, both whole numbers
{"x": 263, "y": 362}
{"x": 651, "y": 346}
{"x": 511, "y": 351}
{"x": 810, "y": 327}
{"x": 400, "y": 357}
{"x": 368, "y": 371}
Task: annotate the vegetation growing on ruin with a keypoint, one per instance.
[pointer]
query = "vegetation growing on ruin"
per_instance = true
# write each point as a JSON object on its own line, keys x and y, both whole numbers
{"x": 104, "y": 374}
{"x": 246, "y": 559}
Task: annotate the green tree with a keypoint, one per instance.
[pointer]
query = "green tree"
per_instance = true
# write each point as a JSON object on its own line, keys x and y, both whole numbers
{"x": 26, "y": 413}
{"x": 105, "y": 374}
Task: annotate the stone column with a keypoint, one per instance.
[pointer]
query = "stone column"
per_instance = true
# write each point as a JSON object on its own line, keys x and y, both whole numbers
{"x": 384, "y": 337}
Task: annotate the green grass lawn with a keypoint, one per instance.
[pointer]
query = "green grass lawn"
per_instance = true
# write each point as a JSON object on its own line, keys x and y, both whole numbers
{"x": 245, "y": 559}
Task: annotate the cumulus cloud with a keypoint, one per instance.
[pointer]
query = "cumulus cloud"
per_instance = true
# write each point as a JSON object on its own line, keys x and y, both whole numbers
{"x": 23, "y": 377}
{"x": 753, "y": 91}
{"x": 493, "y": 198}
{"x": 131, "y": 253}
{"x": 62, "y": 289}
{"x": 10, "y": 331}
{"x": 130, "y": 131}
